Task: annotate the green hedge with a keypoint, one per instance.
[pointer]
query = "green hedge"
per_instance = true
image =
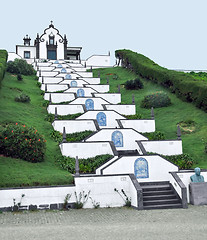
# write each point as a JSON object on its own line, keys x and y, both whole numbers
{"x": 3, "y": 60}
{"x": 183, "y": 85}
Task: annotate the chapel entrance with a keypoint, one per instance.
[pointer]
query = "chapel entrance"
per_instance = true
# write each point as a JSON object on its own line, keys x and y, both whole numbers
{"x": 51, "y": 54}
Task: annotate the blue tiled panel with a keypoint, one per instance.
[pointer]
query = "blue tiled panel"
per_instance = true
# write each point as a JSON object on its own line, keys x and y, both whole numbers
{"x": 68, "y": 76}
{"x": 89, "y": 103}
{"x": 63, "y": 70}
{"x": 141, "y": 168}
{"x": 80, "y": 92}
{"x": 117, "y": 138}
{"x": 101, "y": 119}
{"x": 73, "y": 84}
{"x": 59, "y": 66}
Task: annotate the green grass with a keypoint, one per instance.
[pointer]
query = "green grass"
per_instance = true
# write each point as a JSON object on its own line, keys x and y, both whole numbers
{"x": 17, "y": 172}
{"x": 166, "y": 117}
{"x": 198, "y": 76}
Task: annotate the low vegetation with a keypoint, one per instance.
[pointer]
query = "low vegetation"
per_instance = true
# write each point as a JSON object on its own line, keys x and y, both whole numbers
{"x": 134, "y": 84}
{"x": 156, "y": 100}
{"x": 20, "y": 66}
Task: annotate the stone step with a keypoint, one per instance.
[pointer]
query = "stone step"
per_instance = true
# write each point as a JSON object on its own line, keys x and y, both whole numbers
{"x": 161, "y": 202}
{"x": 163, "y": 206}
{"x": 159, "y": 197}
{"x": 154, "y": 193}
{"x": 156, "y": 187}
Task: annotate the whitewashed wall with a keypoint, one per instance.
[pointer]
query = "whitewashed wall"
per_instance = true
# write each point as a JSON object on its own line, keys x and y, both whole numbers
{"x": 73, "y": 75}
{"x": 46, "y": 68}
{"x": 141, "y": 125}
{"x": 50, "y": 80}
{"x": 97, "y": 102}
{"x": 59, "y": 97}
{"x": 47, "y": 74}
{"x": 92, "y": 80}
{"x": 72, "y": 126}
{"x": 80, "y": 83}
{"x": 98, "y": 61}
{"x": 158, "y": 167}
{"x": 99, "y": 88}
{"x": 113, "y": 98}
{"x": 185, "y": 177}
{"x": 129, "y": 137}
{"x": 88, "y": 91}
{"x": 122, "y": 109}
{"x": 86, "y": 149}
{"x": 111, "y": 117}
{"x": 36, "y": 195}
{"x": 12, "y": 56}
{"x": 43, "y": 64}
{"x": 54, "y": 87}
{"x": 31, "y": 49}
{"x": 65, "y": 109}
{"x": 85, "y": 74}
{"x": 173, "y": 147}
{"x": 102, "y": 190}
{"x": 79, "y": 69}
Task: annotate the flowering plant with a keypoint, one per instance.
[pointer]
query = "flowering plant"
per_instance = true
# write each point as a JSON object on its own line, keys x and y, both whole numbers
{"x": 22, "y": 142}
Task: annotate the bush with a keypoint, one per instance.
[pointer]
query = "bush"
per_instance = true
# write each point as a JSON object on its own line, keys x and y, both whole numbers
{"x": 19, "y": 77}
{"x": 156, "y": 100}
{"x": 19, "y": 141}
{"x": 22, "y": 98}
{"x": 20, "y": 66}
{"x": 157, "y": 135}
{"x": 88, "y": 165}
{"x": 205, "y": 148}
{"x": 183, "y": 161}
{"x": 134, "y": 84}
{"x": 50, "y": 117}
{"x": 136, "y": 116}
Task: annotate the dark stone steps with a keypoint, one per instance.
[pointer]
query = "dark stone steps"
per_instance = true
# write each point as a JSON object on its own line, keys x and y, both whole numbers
{"x": 163, "y": 206}
{"x": 159, "y": 197}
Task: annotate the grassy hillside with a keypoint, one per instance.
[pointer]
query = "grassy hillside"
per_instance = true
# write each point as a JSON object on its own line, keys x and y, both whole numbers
{"x": 16, "y": 172}
{"x": 167, "y": 117}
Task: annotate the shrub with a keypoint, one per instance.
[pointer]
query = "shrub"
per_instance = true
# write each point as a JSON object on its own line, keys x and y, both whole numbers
{"x": 134, "y": 84}
{"x": 22, "y": 98}
{"x": 156, "y": 100}
{"x": 183, "y": 161}
{"x": 136, "y": 116}
{"x": 157, "y": 135}
{"x": 206, "y": 148}
{"x": 88, "y": 165}
{"x": 19, "y": 141}
{"x": 50, "y": 117}
{"x": 19, "y": 77}
{"x": 20, "y": 66}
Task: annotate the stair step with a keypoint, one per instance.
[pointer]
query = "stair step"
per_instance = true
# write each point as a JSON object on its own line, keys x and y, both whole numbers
{"x": 163, "y": 206}
{"x": 161, "y": 202}
{"x": 159, "y": 197}
{"x": 156, "y": 187}
{"x": 154, "y": 193}
{"x": 154, "y": 183}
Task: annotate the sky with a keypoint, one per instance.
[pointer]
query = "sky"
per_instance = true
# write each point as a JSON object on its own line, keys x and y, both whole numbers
{"x": 171, "y": 32}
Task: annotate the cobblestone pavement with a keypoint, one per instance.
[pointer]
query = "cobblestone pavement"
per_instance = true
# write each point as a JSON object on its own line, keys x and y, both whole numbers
{"x": 108, "y": 223}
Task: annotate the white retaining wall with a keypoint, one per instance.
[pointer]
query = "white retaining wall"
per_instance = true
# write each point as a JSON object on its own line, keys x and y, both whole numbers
{"x": 111, "y": 117}
{"x": 85, "y": 74}
{"x": 173, "y": 147}
{"x": 50, "y": 80}
{"x": 85, "y": 149}
{"x": 158, "y": 167}
{"x": 72, "y": 126}
{"x": 139, "y": 125}
{"x": 97, "y": 102}
{"x": 59, "y": 97}
{"x": 54, "y": 87}
{"x": 88, "y": 91}
{"x": 113, "y": 98}
{"x": 65, "y": 109}
{"x": 99, "y": 88}
{"x": 129, "y": 137}
{"x": 92, "y": 80}
{"x": 80, "y": 83}
{"x": 99, "y": 61}
{"x": 122, "y": 109}
{"x": 46, "y": 74}
{"x": 102, "y": 190}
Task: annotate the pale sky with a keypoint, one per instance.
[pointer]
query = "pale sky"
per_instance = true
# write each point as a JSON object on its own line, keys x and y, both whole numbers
{"x": 171, "y": 32}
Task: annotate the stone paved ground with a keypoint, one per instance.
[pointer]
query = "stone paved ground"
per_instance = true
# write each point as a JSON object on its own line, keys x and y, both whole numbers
{"x": 109, "y": 223}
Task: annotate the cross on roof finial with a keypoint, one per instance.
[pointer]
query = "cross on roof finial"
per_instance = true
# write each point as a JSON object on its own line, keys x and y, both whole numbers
{"x": 51, "y": 22}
